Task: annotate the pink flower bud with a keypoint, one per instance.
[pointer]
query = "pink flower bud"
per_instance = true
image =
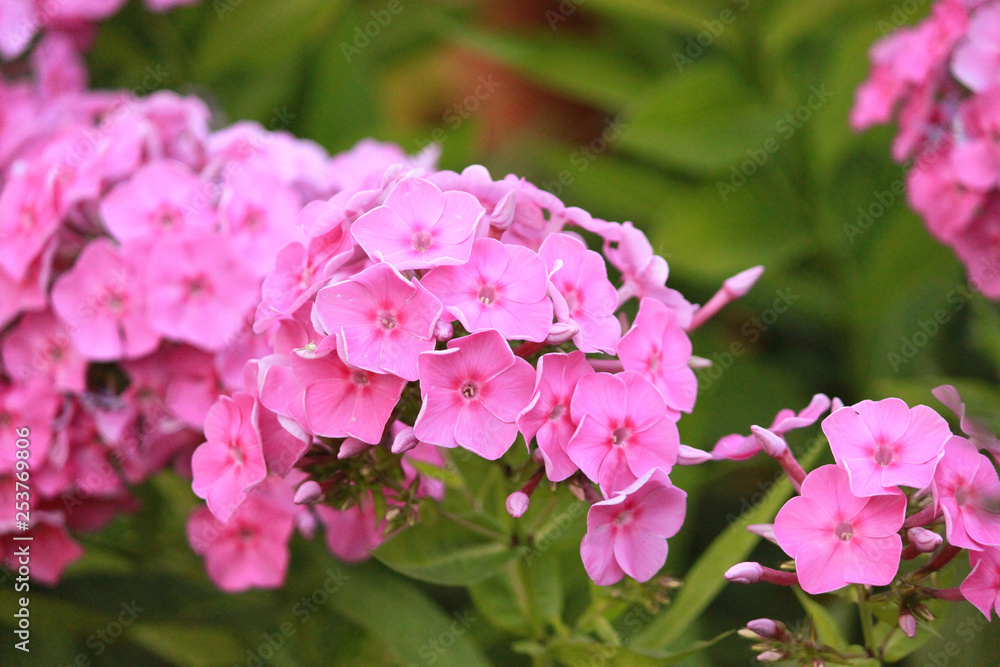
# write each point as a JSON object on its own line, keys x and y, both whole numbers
{"x": 765, "y": 530}
{"x": 699, "y": 362}
{"x": 908, "y": 624}
{"x": 443, "y": 331}
{"x": 835, "y": 404}
{"x": 771, "y": 656}
{"x": 690, "y": 456}
{"x": 772, "y": 444}
{"x": 352, "y": 447}
{"x": 923, "y": 539}
{"x": 517, "y": 504}
{"x": 744, "y": 573}
{"x": 742, "y": 282}
{"x": 765, "y": 627}
{"x": 560, "y": 332}
{"x": 308, "y": 492}
{"x": 404, "y": 441}
{"x": 503, "y": 213}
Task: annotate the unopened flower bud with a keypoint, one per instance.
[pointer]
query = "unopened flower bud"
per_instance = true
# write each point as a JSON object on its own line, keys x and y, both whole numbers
{"x": 517, "y": 504}
{"x": 745, "y": 573}
{"x": 771, "y": 656}
{"x": 351, "y": 447}
{"x": 404, "y": 441}
{"x": 738, "y": 285}
{"x": 765, "y": 530}
{"x": 308, "y": 492}
{"x": 835, "y": 404}
{"x": 696, "y": 362}
{"x": 765, "y": 627}
{"x": 923, "y": 539}
{"x": 503, "y": 213}
{"x": 443, "y": 331}
{"x": 908, "y": 624}
{"x": 772, "y": 444}
{"x": 560, "y": 332}
{"x": 691, "y": 456}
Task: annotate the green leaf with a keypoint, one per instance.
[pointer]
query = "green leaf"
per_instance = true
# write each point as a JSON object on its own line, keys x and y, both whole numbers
{"x": 520, "y": 594}
{"x": 185, "y": 645}
{"x": 685, "y": 14}
{"x": 824, "y": 622}
{"x": 406, "y": 621}
{"x": 704, "y": 581}
{"x": 584, "y": 652}
{"x": 443, "y": 551}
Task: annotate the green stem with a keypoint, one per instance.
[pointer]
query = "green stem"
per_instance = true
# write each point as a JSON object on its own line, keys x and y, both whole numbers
{"x": 865, "y": 611}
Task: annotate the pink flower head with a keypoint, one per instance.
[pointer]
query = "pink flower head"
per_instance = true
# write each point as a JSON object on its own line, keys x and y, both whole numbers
{"x": 231, "y": 461}
{"x": 250, "y": 550}
{"x": 624, "y": 430}
{"x": 382, "y": 321}
{"x": 982, "y": 586}
{"x": 657, "y": 348}
{"x": 40, "y": 344}
{"x": 472, "y": 394}
{"x": 162, "y": 198}
{"x": 419, "y": 227}
{"x": 340, "y": 400}
{"x": 199, "y": 290}
{"x": 976, "y": 61}
{"x": 937, "y": 193}
{"x": 502, "y": 288}
{"x": 29, "y": 216}
{"x": 101, "y": 301}
{"x": 886, "y": 444}
{"x": 548, "y": 417}
{"x": 837, "y": 538}
{"x": 583, "y": 294}
{"x": 628, "y": 533}
{"x": 967, "y": 490}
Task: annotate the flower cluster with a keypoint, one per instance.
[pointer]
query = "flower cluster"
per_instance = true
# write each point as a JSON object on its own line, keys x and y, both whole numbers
{"x": 133, "y": 244}
{"x": 939, "y": 80}
{"x": 427, "y": 309}
{"x": 902, "y": 486}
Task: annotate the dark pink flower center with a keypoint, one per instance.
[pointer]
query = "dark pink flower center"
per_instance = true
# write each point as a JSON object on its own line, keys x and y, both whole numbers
{"x": 470, "y": 390}
{"x": 245, "y": 533}
{"x": 359, "y": 378}
{"x": 197, "y": 286}
{"x": 422, "y": 241}
{"x": 27, "y": 220}
{"x": 962, "y": 495}
{"x": 487, "y": 294}
{"x": 169, "y": 217}
{"x": 254, "y": 218}
{"x": 844, "y": 531}
{"x": 883, "y": 455}
{"x": 558, "y": 410}
{"x": 572, "y": 300}
{"x": 386, "y": 319}
{"x": 620, "y": 435}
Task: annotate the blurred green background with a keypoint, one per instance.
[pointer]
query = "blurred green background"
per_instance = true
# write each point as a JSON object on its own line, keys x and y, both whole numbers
{"x": 717, "y": 126}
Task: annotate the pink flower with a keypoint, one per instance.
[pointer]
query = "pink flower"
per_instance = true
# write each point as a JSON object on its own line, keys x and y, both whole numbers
{"x": 40, "y": 344}
{"x": 837, "y": 538}
{"x": 657, "y": 348}
{"x": 250, "y": 550}
{"x": 162, "y": 198}
{"x": 382, "y": 321}
{"x": 419, "y": 227}
{"x": 199, "y": 290}
{"x": 351, "y": 534}
{"x": 976, "y": 61}
{"x": 502, "y": 288}
{"x": 583, "y": 294}
{"x": 624, "y": 430}
{"x": 18, "y": 296}
{"x": 936, "y": 193}
{"x": 548, "y": 418}
{"x": 29, "y": 216}
{"x": 102, "y": 303}
{"x": 628, "y": 533}
{"x": 982, "y": 586}
{"x": 472, "y": 394}
{"x": 967, "y": 490}
{"x": 34, "y": 405}
{"x": 341, "y": 401}
{"x": 885, "y": 444}
{"x": 736, "y": 447}
{"x": 231, "y": 461}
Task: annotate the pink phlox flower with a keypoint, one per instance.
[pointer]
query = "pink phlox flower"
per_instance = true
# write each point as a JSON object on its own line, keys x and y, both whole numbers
{"x": 736, "y": 447}
{"x": 976, "y": 61}
{"x": 231, "y": 461}
{"x": 18, "y": 23}
{"x": 967, "y": 490}
{"x": 199, "y": 290}
{"x": 28, "y": 216}
{"x": 419, "y": 227}
{"x": 250, "y": 549}
{"x": 657, "y": 348}
{"x": 283, "y": 440}
{"x": 103, "y": 305}
{"x": 885, "y": 444}
{"x": 162, "y": 198}
{"x": 472, "y": 394}
{"x": 837, "y": 538}
{"x": 382, "y": 321}
{"x": 502, "y": 288}
{"x": 53, "y": 549}
{"x": 178, "y": 126}
{"x": 340, "y": 400}
{"x": 977, "y": 430}
{"x": 548, "y": 418}
{"x": 193, "y": 384}
{"x": 40, "y": 345}
{"x": 33, "y": 405}
{"x": 938, "y": 195}
{"x": 877, "y": 98}
{"x": 627, "y": 534}
{"x": 582, "y": 294}
{"x": 351, "y": 534}
{"x": 29, "y": 294}
{"x": 624, "y": 430}
{"x": 361, "y": 167}
{"x": 243, "y": 346}
{"x": 982, "y": 586}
